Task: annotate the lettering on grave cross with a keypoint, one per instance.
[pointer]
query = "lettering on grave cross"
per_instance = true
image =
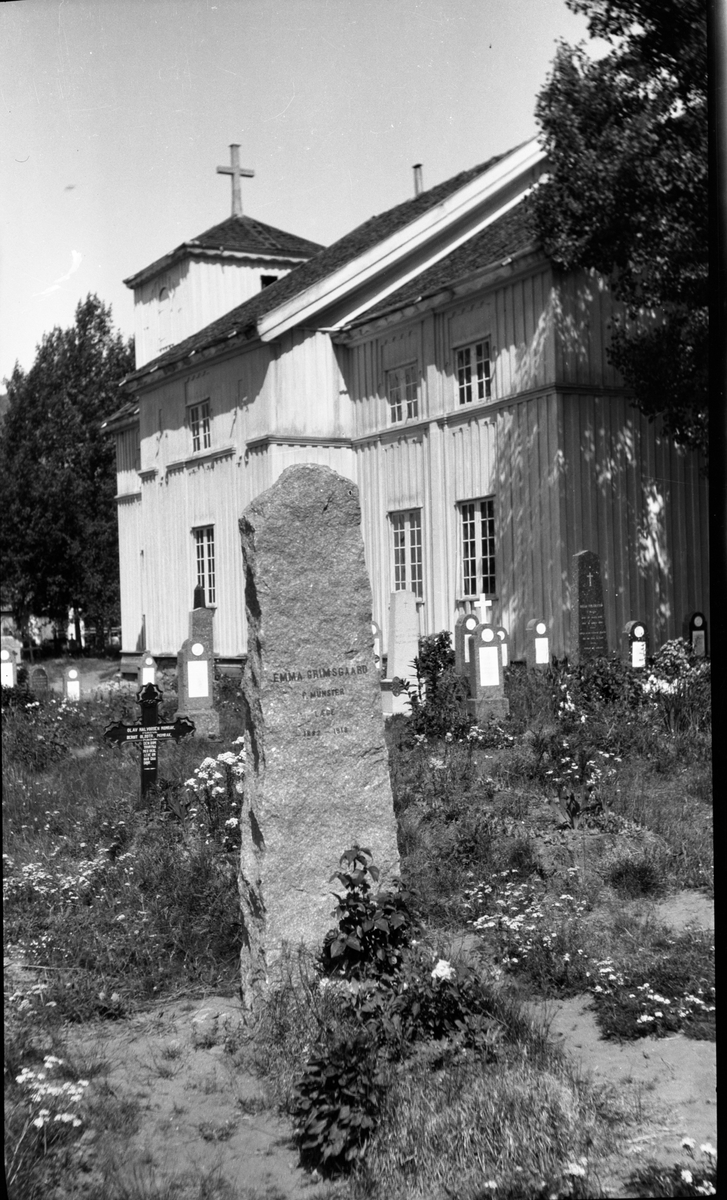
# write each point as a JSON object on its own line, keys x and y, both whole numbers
{"x": 236, "y": 171}
{"x": 148, "y": 733}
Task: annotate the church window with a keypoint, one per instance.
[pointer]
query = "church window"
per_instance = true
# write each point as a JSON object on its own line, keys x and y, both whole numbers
{"x": 266, "y": 280}
{"x": 402, "y": 393}
{"x": 205, "y": 553}
{"x": 406, "y": 530}
{"x": 474, "y": 372}
{"x": 478, "y": 546}
{"x": 199, "y": 423}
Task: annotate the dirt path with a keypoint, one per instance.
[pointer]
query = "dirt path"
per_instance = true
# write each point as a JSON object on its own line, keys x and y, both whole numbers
{"x": 202, "y": 1117}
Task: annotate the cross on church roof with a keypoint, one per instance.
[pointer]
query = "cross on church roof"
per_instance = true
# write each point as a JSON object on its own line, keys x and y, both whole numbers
{"x": 236, "y": 171}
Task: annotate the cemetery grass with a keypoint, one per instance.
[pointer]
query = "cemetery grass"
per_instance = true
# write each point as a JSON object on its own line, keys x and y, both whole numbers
{"x": 110, "y": 909}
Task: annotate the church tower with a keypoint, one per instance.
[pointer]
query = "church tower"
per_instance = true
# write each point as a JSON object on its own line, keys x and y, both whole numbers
{"x": 203, "y": 278}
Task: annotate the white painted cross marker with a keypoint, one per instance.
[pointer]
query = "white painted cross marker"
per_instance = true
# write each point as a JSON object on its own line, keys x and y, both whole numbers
{"x": 483, "y": 604}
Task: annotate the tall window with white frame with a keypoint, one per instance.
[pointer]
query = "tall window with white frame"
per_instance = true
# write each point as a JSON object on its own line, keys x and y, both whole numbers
{"x": 474, "y": 372}
{"x": 204, "y": 540}
{"x": 406, "y": 529}
{"x": 199, "y": 423}
{"x": 402, "y": 393}
{"x": 478, "y": 547}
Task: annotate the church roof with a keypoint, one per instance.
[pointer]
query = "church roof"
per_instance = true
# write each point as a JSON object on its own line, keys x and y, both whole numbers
{"x": 502, "y": 237}
{"x": 235, "y": 236}
{"x": 506, "y": 237}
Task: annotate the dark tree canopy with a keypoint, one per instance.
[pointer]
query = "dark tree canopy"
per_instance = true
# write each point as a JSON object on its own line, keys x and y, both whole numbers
{"x": 58, "y": 531}
{"x": 627, "y": 193}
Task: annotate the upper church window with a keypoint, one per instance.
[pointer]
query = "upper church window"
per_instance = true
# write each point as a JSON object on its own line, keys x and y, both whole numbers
{"x": 402, "y": 393}
{"x": 266, "y": 280}
{"x": 474, "y": 372}
{"x": 199, "y": 423}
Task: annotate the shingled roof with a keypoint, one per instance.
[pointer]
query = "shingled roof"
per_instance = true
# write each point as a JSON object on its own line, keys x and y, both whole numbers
{"x": 503, "y": 237}
{"x": 511, "y": 234}
{"x": 236, "y": 235}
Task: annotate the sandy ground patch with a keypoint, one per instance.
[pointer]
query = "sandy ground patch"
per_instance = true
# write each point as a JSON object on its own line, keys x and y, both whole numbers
{"x": 201, "y": 1114}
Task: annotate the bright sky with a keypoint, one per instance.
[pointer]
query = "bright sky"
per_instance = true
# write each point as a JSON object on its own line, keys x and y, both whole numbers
{"x": 115, "y": 114}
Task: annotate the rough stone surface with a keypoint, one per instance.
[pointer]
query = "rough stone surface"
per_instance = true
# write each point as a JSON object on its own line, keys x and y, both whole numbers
{"x": 318, "y": 777}
{"x": 402, "y": 650}
{"x": 588, "y": 623}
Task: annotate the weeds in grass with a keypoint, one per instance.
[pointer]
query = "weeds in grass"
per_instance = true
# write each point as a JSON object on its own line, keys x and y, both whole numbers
{"x": 106, "y": 904}
{"x": 698, "y": 1177}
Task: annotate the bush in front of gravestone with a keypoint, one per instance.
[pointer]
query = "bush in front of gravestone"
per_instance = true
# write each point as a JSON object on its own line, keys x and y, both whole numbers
{"x": 439, "y": 705}
{"x": 373, "y": 931}
{"x": 338, "y": 1101}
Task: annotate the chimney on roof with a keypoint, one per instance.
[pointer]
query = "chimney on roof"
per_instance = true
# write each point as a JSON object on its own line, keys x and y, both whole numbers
{"x": 418, "y": 181}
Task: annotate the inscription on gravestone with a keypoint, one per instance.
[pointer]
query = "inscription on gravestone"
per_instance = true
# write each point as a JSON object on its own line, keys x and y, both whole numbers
{"x": 588, "y": 623}
{"x": 317, "y": 765}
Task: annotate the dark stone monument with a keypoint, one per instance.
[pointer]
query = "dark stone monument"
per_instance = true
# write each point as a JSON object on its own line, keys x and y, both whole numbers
{"x": 537, "y": 645}
{"x": 636, "y": 642}
{"x": 147, "y": 670}
{"x": 464, "y": 626}
{"x": 318, "y": 778}
{"x": 148, "y": 733}
{"x": 38, "y": 682}
{"x": 588, "y": 623}
{"x": 195, "y": 671}
{"x": 487, "y": 685}
{"x": 695, "y": 632}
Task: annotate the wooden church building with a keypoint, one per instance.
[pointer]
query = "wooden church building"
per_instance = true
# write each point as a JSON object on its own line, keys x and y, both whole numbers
{"x": 436, "y": 357}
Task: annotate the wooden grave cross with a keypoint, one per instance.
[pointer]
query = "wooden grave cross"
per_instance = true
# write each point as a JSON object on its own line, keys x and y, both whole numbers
{"x": 149, "y": 732}
{"x": 236, "y": 171}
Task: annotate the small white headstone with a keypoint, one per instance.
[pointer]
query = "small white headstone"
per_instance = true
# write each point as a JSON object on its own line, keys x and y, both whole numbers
{"x": 73, "y": 685}
{"x": 489, "y": 665}
{"x": 7, "y": 669}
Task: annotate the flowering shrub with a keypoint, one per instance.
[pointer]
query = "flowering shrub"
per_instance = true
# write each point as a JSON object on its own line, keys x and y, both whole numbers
{"x": 697, "y": 1179}
{"x": 50, "y": 1112}
{"x": 531, "y": 932}
{"x": 38, "y": 733}
{"x": 214, "y": 792}
{"x": 629, "y": 1009}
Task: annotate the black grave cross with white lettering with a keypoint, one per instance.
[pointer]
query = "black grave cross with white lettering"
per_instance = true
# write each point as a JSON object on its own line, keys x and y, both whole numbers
{"x": 149, "y": 732}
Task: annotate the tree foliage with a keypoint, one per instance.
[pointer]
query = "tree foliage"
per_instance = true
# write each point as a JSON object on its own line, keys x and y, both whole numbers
{"x": 627, "y": 196}
{"x": 58, "y": 533}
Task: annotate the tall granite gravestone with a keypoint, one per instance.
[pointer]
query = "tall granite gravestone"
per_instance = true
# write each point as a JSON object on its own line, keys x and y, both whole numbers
{"x": 195, "y": 672}
{"x": 588, "y": 623}
{"x": 402, "y": 650}
{"x": 318, "y": 778}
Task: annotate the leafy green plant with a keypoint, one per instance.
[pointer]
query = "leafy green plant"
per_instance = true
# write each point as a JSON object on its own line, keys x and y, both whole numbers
{"x": 373, "y": 931}
{"x": 438, "y": 705}
{"x": 338, "y": 1103}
